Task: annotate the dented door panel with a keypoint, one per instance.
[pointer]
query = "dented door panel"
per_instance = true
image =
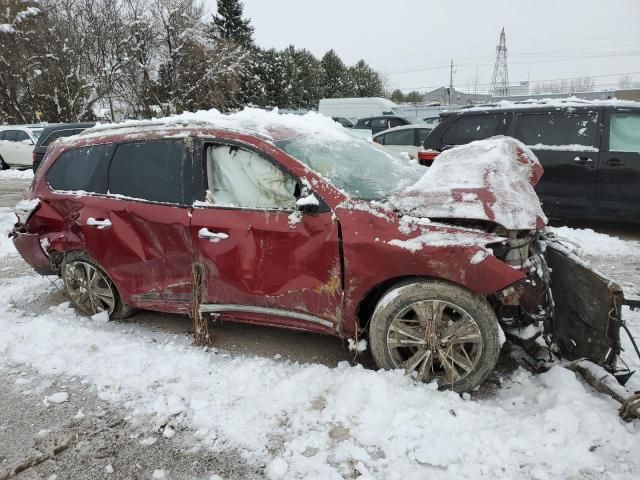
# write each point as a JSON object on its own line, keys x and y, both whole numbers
{"x": 268, "y": 261}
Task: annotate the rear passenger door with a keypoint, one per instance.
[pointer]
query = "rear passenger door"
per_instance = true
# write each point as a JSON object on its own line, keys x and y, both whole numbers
{"x": 567, "y": 145}
{"x": 618, "y": 185}
{"x": 130, "y": 203}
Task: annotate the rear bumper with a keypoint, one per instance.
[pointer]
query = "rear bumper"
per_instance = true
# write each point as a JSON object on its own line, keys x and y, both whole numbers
{"x": 28, "y": 245}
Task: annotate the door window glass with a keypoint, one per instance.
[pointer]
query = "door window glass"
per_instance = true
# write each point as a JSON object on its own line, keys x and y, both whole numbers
{"x": 557, "y": 129}
{"x": 624, "y": 133}
{"x": 80, "y": 169}
{"x": 395, "y": 122}
{"x": 59, "y": 134}
{"x": 379, "y": 139}
{"x": 2, "y": 135}
{"x": 10, "y": 135}
{"x": 241, "y": 178}
{"x": 422, "y": 135}
{"x": 21, "y": 136}
{"x": 469, "y": 128}
{"x": 400, "y": 137}
{"x": 379, "y": 123}
{"x": 149, "y": 171}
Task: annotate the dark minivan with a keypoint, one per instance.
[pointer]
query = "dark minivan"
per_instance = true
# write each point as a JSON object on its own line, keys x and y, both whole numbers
{"x": 590, "y": 151}
{"x": 53, "y": 132}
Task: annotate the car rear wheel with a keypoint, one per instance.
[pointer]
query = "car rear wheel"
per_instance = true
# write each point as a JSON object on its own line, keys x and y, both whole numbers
{"x": 438, "y": 331}
{"x": 90, "y": 288}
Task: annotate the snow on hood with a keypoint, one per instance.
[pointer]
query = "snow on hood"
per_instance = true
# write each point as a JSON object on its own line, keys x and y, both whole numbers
{"x": 489, "y": 179}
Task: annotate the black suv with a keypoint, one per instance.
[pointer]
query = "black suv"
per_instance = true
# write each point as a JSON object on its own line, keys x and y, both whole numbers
{"x": 53, "y": 132}
{"x": 383, "y": 122}
{"x": 590, "y": 151}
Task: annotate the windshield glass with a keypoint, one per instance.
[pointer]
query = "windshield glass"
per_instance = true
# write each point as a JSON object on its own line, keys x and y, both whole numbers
{"x": 358, "y": 167}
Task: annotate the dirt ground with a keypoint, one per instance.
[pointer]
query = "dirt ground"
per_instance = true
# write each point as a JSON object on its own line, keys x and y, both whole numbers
{"x": 94, "y": 439}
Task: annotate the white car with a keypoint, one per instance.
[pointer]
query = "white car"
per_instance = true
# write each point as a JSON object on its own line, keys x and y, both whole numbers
{"x": 405, "y": 138}
{"x": 16, "y": 146}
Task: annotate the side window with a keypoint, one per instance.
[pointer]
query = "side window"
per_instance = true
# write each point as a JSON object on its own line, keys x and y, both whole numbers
{"x": 59, "y": 134}
{"x": 21, "y": 136}
{"x": 422, "y": 135}
{"x": 80, "y": 169}
{"x": 151, "y": 171}
{"x": 367, "y": 123}
{"x": 557, "y": 129}
{"x": 241, "y": 178}
{"x": 379, "y": 123}
{"x": 395, "y": 122}
{"x": 379, "y": 139}
{"x": 10, "y": 135}
{"x": 2, "y": 135}
{"x": 624, "y": 132}
{"x": 469, "y": 128}
{"x": 400, "y": 137}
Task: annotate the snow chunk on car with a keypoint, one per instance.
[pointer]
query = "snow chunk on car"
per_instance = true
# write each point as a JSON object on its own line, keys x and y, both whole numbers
{"x": 488, "y": 180}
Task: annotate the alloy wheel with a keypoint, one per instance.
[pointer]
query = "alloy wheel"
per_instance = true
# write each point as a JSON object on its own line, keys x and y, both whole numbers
{"x": 89, "y": 288}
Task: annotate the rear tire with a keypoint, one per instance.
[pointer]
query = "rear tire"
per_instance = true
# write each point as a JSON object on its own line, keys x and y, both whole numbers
{"x": 90, "y": 288}
{"x": 435, "y": 330}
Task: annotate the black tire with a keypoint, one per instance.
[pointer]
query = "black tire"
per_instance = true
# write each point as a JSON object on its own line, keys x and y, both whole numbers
{"x": 77, "y": 259}
{"x": 457, "y": 365}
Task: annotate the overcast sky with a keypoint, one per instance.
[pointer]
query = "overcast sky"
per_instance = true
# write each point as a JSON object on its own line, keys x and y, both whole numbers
{"x": 412, "y": 41}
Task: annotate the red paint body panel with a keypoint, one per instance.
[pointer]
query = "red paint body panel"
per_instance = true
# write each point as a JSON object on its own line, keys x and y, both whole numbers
{"x": 28, "y": 246}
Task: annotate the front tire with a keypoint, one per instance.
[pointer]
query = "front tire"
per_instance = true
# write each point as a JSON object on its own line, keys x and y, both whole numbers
{"x": 90, "y": 288}
{"x": 436, "y": 330}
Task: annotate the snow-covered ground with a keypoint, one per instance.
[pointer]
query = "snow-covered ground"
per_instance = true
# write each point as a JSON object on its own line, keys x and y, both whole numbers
{"x": 313, "y": 421}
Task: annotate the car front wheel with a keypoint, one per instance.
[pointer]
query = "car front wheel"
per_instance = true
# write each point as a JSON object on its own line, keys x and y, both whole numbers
{"x": 435, "y": 330}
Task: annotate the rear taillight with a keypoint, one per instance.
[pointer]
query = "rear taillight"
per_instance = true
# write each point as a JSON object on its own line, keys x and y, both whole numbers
{"x": 427, "y": 157}
{"x": 33, "y": 156}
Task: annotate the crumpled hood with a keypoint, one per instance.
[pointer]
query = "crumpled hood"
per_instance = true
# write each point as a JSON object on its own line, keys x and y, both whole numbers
{"x": 489, "y": 180}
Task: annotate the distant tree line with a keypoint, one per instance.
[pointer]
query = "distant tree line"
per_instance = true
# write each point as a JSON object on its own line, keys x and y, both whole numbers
{"x": 413, "y": 96}
{"x": 60, "y": 59}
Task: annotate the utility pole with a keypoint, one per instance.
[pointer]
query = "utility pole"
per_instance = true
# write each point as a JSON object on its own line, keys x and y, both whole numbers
{"x": 500, "y": 80}
{"x": 451, "y": 84}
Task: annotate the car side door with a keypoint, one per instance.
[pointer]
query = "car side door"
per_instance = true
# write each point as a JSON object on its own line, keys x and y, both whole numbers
{"x": 567, "y": 146}
{"x": 617, "y": 194}
{"x": 128, "y": 207}
{"x": 9, "y": 148}
{"x": 263, "y": 259}
{"x": 23, "y": 149}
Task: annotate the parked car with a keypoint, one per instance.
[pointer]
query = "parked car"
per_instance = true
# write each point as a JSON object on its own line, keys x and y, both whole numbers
{"x": 353, "y": 108}
{"x": 590, "y": 151}
{"x": 16, "y": 145}
{"x": 53, "y": 132}
{"x": 405, "y": 138}
{"x": 312, "y": 229}
{"x": 384, "y": 122}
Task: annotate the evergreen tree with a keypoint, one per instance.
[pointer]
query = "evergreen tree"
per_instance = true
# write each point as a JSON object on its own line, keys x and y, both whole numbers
{"x": 366, "y": 81}
{"x": 397, "y": 96}
{"x": 301, "y": 78}
{"x": 229, "y": 25}
{"x": 335, "y": 79}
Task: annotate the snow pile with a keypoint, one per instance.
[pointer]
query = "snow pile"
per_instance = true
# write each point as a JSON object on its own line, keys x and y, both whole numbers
{"x": 484, "y": 180}
{"x": 445, "y": 237}
{"x": 568, "y": 102}
{"x": 10, "y": 173}
{"x": 598, "y": 244}
{"x": 311, "y": 421}
{"x": 7, "y": 221}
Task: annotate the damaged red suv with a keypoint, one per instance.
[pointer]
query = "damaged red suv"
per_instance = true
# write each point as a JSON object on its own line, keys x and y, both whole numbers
{"x": 290, "y": 221}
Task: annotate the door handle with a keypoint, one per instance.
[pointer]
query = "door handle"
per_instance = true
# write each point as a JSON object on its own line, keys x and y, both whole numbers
{"x": 100, "y": 223}
{"x": 583, "y": 160}
{"x": 614, "y": 162}
{"x": 212, "y": 236}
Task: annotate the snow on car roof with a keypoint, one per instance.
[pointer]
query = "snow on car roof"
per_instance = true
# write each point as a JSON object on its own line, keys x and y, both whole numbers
{"x": 572, "y": 101}
{"x": 271, "y": 124}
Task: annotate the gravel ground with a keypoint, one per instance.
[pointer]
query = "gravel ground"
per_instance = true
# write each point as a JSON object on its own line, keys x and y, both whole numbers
{"x": 95, "y": 439}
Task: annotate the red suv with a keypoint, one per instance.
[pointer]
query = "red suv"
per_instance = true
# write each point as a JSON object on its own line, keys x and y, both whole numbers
{"x": 292, "y": 222}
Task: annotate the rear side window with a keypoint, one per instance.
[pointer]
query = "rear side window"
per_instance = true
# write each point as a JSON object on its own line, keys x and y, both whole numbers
{"x": 379, "y": 123}
{"x": 399, "y": 137}
{"x": 557, "y": 129}
{"x": 20, "y": 136}
{"x": 10, "y": 135}
{"x": 395, "y": 122}
{"x": 81, "y": 169}
{"x": 422, "y": 135}
{"x": 624, "y": 134}
{"x": 469, "y": 128}
{"x": 59, "y": 134}
{"x": 149, "y": 171}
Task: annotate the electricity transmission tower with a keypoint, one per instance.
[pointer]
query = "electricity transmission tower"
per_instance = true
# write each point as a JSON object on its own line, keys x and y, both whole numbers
{"x": 500, "y": 80}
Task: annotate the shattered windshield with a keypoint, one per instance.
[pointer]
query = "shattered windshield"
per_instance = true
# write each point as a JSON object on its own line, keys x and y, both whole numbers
{"x": 357, "y": 167}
